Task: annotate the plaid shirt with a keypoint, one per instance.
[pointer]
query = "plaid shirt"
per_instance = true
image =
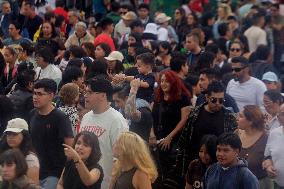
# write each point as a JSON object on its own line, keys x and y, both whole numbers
{"x": 230, "y": 125}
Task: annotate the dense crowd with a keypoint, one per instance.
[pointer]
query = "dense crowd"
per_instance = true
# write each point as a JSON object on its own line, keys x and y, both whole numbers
{"x": 142, "y": 94}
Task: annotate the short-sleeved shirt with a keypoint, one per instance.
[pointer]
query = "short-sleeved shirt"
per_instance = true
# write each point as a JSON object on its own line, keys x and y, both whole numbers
{"x": 104, "y": 38}
{"x": 72, "y": 180}
{"x": 32, "y": 160}
{"x": 195, "y": 173}
{"x": 170, "y": 113}
{"x": 48, "y": 133}
{"x": 146, "y": 93}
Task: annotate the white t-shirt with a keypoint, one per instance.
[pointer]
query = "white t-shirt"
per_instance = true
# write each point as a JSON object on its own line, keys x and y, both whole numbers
{"x": 50, "y": 72}
{"x": 107, "y": 126}
{"x": 275, "y": 149}
{"x": 247, "y": 93}
{"x": 256, "y": 36}
{"x": 32, "y": 160}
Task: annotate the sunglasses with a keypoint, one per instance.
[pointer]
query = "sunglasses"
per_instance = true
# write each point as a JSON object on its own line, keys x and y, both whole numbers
{"x": 238, "y": 69}
{"x": 214, "y": 100}
{"x": 235, "y": 49}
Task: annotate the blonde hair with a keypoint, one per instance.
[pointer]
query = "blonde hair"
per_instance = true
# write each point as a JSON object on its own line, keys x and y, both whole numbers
{"x": 227, "y": 9}
{"x": 68, "y": 93}
{"x": 133, "y": 150}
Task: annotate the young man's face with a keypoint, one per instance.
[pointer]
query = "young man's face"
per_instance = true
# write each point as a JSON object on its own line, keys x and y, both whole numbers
{"x": 143, "y": 13}
{"x": 226, "y": 155}
{"x": 203, "y": 82}
{"x": 41, "y": 98}
{"x": 215, "y": 101}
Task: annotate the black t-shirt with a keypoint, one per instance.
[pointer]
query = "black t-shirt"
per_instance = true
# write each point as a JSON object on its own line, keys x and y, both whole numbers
{"x": 170, "y": 116}
{"x": 206, "y": 123}
{"x": 195, "y": 173}
{"x": 72, "y": 180}
{"x": 48, "y": 133}
{"x": 146, "y": 93}
{"x": 143, "y": 127}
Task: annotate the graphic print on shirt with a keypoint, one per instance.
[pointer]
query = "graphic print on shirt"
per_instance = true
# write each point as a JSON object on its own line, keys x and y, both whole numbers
{"x": 97, "y": 130}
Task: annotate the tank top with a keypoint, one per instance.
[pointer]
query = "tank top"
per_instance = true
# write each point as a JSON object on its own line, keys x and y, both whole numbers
{"x": 124, "y": 180}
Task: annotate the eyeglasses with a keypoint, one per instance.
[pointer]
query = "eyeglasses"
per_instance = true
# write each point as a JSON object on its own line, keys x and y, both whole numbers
{"x": 235, "y": 49}
{"x": 238, "y": 69}
{"x": 214, "y": 100}
{"x": 40, "y": 94}
{"x": 123, "y": 13}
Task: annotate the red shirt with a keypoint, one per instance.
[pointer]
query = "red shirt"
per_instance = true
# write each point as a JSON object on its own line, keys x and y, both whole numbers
{"x": 104, "y": 38}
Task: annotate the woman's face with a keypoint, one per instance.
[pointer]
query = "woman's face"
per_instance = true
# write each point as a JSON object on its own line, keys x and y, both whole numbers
{"x": 82, "y": 148}
{"x": 131, "y": 40}
{"x": 221, "y": 13}
{"x": 204, "y": 156}
{"x": 9, "y": 57}
{"x": 177, "y": 15}
{"x": 190, "y": 20}
{"x": 111, "y": 64}
{"x": 46, "y": 29}
{"x": 14, "y": 140}
{"x": 92, "y": 30}
{"x": 83, "y": 68}
{"x": 165, "y": 85}
{"x": 235, "y": 50}
{"x": 242, "y": 121}
{"x": 99, "y": 52}
{"x": 162, "y": 51}
{"x": 8, "y": 171}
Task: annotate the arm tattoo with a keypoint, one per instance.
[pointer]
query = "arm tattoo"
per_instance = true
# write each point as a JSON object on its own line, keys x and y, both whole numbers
{"x": 130, "y": 108}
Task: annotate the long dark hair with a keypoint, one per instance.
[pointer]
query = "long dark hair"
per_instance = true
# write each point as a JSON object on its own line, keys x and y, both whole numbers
{"x": 210, "y": 143}
{"x": 92, "y": 141}
{"x": 25, "y": 147}
{"x": 15, "y": 156}
{"x": 53, "y": 33}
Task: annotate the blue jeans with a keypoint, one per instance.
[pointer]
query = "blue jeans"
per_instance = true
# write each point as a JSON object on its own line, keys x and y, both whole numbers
{"x": 49, "y": 182}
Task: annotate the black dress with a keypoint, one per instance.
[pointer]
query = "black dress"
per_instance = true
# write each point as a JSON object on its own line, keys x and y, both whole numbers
{"x": 72, "y": 180}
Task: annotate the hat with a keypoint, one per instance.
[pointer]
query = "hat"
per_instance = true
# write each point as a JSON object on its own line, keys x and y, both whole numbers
{"x": 162, "y": 18}
{"x": 269, "y": 76}
{"x": 129, "y": 16}
{"x": 115, "y": 55}
{"x": 100, "y": 85}
{"x": 17, "y": 125}
{"x": 151, "y": 28}
{"x": 81, "y": 24}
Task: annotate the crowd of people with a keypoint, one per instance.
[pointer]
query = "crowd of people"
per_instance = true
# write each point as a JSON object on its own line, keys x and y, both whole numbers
{"x": 142, "y": 94}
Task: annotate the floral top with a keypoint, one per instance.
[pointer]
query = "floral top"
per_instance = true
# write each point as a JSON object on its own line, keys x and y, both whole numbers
{"x": 73, "y": 115}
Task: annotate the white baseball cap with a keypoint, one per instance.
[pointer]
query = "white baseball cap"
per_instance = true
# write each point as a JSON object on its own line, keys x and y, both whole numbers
{"x": 17, "y": 125}
{"x": 115, "y": 55}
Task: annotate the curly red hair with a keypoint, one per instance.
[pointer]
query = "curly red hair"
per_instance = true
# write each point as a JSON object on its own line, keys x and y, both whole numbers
{"x": 177, "y": 89}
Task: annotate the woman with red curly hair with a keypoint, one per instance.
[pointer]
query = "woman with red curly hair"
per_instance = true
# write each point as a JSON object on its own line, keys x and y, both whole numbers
{"x": 170, "y": 112}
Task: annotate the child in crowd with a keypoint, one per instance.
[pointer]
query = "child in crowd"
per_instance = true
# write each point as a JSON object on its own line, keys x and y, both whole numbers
{"x": 197, "y": 168}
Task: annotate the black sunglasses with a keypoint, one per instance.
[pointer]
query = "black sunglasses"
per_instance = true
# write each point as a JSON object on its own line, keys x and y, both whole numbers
{"x": 235, "y": 49}
{"x": 238, "y": 69}
{"x": 214, "y": 100}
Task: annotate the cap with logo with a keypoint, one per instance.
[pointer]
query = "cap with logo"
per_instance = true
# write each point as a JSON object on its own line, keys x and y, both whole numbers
{"x": 17, "y": 125}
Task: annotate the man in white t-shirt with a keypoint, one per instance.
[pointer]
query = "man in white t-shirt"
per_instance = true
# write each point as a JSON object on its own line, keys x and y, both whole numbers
{"x": 104, "y": 121}
{"x": 246, "y": 90}
{"x": 255, "y": 34}
{"x": 46, "y": 69}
